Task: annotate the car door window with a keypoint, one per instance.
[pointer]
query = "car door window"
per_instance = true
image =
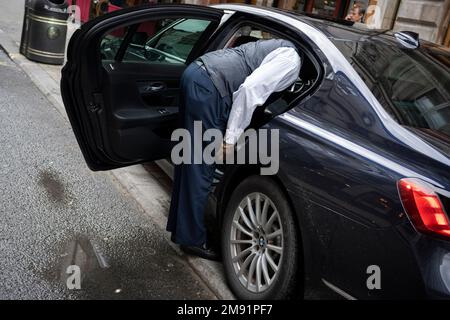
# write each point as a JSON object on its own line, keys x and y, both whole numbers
{"x": 160, "y": 41}
{"x": 176, "y": 42}
{"x": 111, "y": 42}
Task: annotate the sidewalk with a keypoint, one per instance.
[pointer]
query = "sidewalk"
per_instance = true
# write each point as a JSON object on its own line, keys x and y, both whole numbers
{"x": 148, "y": 185}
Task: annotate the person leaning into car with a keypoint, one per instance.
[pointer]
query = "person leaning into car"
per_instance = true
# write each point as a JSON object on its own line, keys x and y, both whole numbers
{"x": 222, "y": 89}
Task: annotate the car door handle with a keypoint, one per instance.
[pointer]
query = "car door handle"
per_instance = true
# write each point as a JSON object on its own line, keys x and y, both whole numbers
{"x": 154, "y": 87}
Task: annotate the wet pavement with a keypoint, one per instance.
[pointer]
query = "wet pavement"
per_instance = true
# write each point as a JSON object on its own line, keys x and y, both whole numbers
{"x": 55, "y": 213}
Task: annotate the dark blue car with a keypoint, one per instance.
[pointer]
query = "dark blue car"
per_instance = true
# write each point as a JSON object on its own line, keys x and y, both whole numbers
{"x": 360, "y": 204}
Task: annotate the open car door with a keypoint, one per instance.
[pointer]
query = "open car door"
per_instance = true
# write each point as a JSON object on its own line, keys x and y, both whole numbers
{"x": 120, "y": 85}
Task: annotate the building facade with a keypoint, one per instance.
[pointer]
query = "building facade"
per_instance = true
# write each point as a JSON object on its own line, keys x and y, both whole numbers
{"x": 429, "y": 18}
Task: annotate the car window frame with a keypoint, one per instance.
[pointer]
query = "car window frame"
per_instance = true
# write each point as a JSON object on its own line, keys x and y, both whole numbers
{"x": 133, "y": 27}
{"x": 278, "y": 28}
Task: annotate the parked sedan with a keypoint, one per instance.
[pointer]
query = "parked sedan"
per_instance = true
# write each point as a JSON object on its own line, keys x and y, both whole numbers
{"x": 360, "y": 204}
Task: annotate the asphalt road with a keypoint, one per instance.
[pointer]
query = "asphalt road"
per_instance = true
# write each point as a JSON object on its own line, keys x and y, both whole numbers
{"x": 54, "y": 212}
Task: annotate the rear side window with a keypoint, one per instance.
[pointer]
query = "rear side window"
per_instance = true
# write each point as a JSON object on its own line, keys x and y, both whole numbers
{"x": 412, "y": 85}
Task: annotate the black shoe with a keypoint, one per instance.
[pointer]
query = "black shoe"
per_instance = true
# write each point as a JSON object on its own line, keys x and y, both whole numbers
{"x": 203, "y": 252}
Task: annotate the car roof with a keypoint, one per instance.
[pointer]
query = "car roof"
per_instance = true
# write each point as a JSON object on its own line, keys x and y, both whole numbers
{"x": 332, "y": 28}
{"x": 329, "y": 26}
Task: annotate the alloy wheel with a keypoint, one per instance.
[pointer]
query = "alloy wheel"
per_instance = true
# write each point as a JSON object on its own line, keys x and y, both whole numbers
{"x": 256, "y": 242}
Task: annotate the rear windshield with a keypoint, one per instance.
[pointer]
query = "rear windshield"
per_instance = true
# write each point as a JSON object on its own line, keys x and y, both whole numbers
{"x": 412, "y": 85}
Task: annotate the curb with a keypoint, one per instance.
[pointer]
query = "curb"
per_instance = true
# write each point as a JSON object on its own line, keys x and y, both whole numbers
{"x": 135, "y": 180}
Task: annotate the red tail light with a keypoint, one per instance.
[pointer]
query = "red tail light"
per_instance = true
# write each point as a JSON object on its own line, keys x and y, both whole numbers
{"x": 424, "y": 207}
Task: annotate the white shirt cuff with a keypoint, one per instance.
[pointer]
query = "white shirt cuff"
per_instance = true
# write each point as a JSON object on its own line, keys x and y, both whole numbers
{"x": 232, "y": 135}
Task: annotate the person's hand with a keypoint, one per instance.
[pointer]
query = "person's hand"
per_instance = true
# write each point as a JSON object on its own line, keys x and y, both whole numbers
{"x": 225, "y": 150}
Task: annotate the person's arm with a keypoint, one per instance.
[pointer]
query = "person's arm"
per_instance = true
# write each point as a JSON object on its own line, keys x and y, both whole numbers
{"x": 279, "y": 69}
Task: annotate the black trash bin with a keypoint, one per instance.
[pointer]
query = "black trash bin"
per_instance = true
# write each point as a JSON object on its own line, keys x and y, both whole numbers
{"x": 44, "y": 30}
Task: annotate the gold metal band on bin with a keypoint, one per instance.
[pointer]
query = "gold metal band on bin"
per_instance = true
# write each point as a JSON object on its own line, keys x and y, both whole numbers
{"x": 45, "y": 53}
{"x": 37, "y": 18}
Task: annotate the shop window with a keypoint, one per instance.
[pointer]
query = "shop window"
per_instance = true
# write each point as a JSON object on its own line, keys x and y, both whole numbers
{"x": 324, "y": 7}
{"x": 299, "y": 5}
{"x": 296, "y": 5}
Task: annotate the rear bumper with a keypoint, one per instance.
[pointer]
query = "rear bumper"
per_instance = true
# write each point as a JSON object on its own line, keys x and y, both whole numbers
{"x": 434, "y": 260}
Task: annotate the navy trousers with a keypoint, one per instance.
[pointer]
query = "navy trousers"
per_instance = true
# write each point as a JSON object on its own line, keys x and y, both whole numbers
{"x": 199, "y": 101}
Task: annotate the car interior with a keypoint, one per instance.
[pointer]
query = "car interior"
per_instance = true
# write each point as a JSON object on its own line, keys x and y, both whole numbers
{"x": 142, "y": 67}
{"x": 278, "y": 102}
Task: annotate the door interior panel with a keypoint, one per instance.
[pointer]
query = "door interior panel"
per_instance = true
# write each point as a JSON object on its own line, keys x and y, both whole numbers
{"x": 120, "y": 85}
{"x": 143, "y": 100}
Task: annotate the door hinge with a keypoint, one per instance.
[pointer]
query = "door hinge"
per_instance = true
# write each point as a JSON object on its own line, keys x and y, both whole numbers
{"x": 96, "y": 103}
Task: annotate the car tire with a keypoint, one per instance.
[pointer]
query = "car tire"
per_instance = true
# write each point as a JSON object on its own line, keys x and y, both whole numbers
{"x": 255, "y": 253}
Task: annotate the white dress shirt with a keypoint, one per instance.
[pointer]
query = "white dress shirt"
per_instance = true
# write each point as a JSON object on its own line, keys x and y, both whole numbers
{"x": 279, "y": 69}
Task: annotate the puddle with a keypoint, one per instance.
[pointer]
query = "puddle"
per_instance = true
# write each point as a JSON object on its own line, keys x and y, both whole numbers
{"x": 52, "y": 185}
{"x": 96, "y": 276}
{"x": 122, "y": 268}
